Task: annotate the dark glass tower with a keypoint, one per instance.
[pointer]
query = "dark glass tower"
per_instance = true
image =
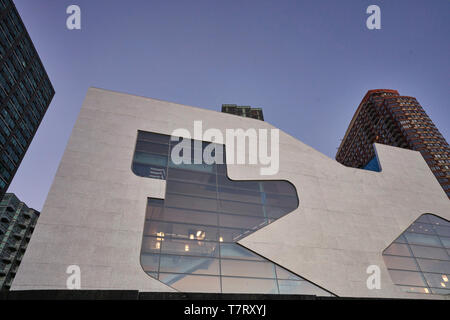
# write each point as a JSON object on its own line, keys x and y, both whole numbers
{"x": 384, "y": 116}
{"x": 17, "y": 223}
{"x": 25, "y": 92}
{"x": 243, "y": 111}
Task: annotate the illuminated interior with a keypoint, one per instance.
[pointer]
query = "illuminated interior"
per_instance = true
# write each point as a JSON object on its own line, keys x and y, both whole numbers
{"x": 190, "y": 237}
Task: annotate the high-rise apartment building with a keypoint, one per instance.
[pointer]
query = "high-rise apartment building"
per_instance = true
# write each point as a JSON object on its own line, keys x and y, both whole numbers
{"x": 384, "y": 116}
{"x": 25, "y": 92}
{"x": 243, "y": 111}
{"x": 17, "y": 223}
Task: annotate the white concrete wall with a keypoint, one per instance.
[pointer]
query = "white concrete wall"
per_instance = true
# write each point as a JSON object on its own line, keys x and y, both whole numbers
{"x": 94, "y": 214}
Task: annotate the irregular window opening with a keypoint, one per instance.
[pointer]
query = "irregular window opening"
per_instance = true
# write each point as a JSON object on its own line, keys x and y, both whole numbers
{"x": 419, "y": 259}
{"x": 190, "y": 237}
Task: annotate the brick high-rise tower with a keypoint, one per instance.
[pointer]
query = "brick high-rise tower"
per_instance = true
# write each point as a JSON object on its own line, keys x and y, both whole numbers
{"x": 383, "y": 116}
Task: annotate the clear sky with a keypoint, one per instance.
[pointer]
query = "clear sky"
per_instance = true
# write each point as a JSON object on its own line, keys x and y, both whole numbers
{"x": 306, "y": 63}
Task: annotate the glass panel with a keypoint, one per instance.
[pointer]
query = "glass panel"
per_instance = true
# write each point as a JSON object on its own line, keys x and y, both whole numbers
{"x": 185, "y": 216}
{"x": 248, "y": 268}
{"x": 424, "y": 218}
{"x": 229, "y": 220}
{"x": 224, "y": 181}
{"x": 440, "y": 291}
{"x": 423, "y": 239}
{"x": 235, "y": 251}
{"x": 430, "y": 252}
{"x": 413, "y": 289}
{"x": 191, "y": 176}
{"x": 155, "y": 137}
{"x": 240, "y": 195}
{"x": 192, "y": 167}
{"x": 400, "y": 263}
{"x": 212, "y": 153}
{"x": 445, "y": 242}
{"x": 151, "y": 245}
{"x": 279, "y": 187}
{"x": 186, "y": 153}
{"x": 150, "y": 262}
{"x": 191, "y": 144}
{"x": 200, "y": 190}
{"x": 234, "y": 207}
{"x": 407, "y": 278}
{"x": 442, "y": 231}
{"x": 248, "y": 285}
{"x": 421, "y": 228}
{"x": 153, "y": 274}
{"x": 153, "y": 210}
{"x": 277, "y": 200}
{"x": 191, "y": 283}
{"x": 152, "y": 147}
{"x": 285, "y": 274}
{"x": 300, "y": 287}
{"x": 277, "y": 212}
{"x": 190, "y": 248}
{"x": 150, "y": 159}
{"x": 153, "y": 171}
{"x": 437, "y": 221}
{"x": 400, "y": 239}
{"x": 187, "y": 202}
{"x": 180, "y": 230}
{"x": 437, "y": 280}
{"x": 222, "y": 169}
{"x": 187, "y": 264}
{"x": 398, "y": 250}
{"x": 153, "y": 202}
{"x": 232, "y": 235}
{"x": 434, "y": 266}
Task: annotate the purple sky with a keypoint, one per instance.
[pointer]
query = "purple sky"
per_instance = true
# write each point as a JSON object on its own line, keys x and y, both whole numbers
{"x": 306, "y": 63}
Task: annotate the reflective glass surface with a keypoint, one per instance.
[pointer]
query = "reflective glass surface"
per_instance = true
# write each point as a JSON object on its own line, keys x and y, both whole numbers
{"x": 189, "y": 238}
{"x": 373, "y": 165}
{"x": 419, "y": 259}
{"x": 25, "y": 92}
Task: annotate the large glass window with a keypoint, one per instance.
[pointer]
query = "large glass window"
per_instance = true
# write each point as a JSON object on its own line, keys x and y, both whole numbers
{"x": 190, "y": 237}
{"x": 419, "y": 259}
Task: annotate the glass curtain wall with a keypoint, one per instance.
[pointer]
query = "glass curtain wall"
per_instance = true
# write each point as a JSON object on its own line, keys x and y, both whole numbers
{"x": 419, "y": 259}
{"x": 190, "y": 237}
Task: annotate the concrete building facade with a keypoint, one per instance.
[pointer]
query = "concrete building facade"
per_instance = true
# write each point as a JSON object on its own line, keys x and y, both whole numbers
{"x": 335, "y": 238}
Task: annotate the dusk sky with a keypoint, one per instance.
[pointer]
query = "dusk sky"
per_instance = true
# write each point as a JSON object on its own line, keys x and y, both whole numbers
{"x": 306, "y": 63}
